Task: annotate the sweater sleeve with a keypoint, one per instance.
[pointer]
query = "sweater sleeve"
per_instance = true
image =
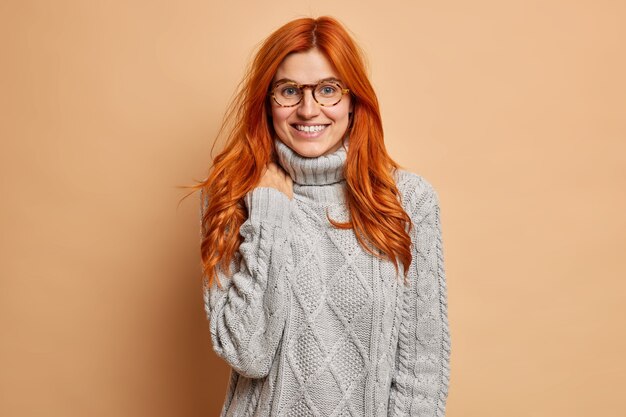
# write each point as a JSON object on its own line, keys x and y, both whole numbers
{"x": 421, "y": 375}
{"x": 247, "y": 314}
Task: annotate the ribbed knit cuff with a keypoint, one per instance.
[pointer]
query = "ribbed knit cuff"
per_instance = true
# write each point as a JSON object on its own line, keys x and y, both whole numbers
{"x": 267, "y": 204}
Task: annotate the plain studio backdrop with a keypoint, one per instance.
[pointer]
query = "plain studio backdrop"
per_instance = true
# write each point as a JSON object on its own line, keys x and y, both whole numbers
{"x": 514, "y": 110}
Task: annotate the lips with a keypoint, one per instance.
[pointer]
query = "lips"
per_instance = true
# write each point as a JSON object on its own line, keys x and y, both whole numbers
{"x": 309, "y": 128}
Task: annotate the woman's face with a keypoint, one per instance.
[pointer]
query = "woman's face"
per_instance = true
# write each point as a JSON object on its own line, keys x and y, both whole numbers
{"x": 326, "y": 125}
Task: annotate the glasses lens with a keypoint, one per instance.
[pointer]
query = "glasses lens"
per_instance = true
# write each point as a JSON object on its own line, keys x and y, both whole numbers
{"x": 287, "y": 94}
{"x": 325, "y": 93}
{"x": 328, "y": 93}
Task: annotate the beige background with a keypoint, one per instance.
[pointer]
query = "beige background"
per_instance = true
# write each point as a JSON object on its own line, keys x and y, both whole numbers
{"x": 514, "y": 110}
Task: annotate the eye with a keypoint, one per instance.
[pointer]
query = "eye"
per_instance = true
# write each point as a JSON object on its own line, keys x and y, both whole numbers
{"x": 289, "y": 91}
{"x": 328, "y": 90}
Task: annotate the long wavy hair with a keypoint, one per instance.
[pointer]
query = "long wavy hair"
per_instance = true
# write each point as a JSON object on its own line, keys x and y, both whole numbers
{"x": 380, "y": 224}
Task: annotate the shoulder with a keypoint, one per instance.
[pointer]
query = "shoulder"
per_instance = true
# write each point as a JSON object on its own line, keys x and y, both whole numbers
{"x": 417, "y": 194}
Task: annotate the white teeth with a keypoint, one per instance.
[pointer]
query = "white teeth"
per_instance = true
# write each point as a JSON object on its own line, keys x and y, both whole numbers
{"x": 316, "y": 128}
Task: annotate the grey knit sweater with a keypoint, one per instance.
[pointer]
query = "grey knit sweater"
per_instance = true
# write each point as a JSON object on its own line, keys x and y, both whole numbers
{"x": 312, "y": 325}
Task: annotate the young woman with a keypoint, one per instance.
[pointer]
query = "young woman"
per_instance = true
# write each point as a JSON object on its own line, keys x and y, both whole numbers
{"x": 323, "y": 261}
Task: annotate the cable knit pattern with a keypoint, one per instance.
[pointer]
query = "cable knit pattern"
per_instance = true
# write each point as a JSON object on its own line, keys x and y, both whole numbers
{"x": 312, "y": 325}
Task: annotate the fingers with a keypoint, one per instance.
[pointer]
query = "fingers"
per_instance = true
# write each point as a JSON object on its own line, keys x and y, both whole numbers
{"x": 275, "y": 176}
{"x": 273, "y": 170}
{"x": 277, "y": 170}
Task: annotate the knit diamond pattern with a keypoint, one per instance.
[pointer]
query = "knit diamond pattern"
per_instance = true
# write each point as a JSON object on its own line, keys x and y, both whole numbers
{"x": 325, "y": 351}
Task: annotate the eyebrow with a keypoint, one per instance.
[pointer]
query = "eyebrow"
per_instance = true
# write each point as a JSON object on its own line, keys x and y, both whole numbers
{"x": 285, "y": 80}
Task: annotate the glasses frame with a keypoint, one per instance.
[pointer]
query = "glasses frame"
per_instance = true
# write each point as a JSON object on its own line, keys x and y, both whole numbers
{"x": 313, "y": 87}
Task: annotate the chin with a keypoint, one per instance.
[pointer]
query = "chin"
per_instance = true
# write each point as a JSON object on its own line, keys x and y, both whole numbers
{"x": 312, "y": 150}
{"x": 309, "y": 151}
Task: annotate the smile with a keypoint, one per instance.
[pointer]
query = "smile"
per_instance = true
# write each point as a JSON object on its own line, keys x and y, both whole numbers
{"x": 309, "y": 128}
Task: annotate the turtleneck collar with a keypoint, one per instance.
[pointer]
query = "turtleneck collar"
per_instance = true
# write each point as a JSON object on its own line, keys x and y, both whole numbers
{"x": 322, "y": 170}
{"x": 317, "y": 180}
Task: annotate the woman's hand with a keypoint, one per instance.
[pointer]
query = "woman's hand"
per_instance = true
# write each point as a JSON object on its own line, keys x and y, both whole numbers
{"x": 275, "y": 177}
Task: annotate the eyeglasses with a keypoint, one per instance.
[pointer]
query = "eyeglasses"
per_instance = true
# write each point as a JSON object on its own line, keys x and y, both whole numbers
{"x": 325, "y": 93}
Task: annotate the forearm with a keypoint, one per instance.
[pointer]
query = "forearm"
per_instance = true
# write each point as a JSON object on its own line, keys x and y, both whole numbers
{"x": 246, "y": 314}
{"x": 421, "y": 381}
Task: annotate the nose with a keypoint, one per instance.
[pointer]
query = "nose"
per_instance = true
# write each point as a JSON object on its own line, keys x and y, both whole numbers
{"x": 308, "y": 107}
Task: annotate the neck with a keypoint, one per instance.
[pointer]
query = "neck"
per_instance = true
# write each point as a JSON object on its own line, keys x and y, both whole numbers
{"x": 320, "y": 178}
{"x": 321, "y": 170}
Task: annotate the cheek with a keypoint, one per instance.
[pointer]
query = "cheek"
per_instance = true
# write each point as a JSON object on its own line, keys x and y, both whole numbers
{"x": 279, "y": 122}
{"x": 340, "y": 115}
{"x": 279, "y": 116}
{"x": 344, "y": 108}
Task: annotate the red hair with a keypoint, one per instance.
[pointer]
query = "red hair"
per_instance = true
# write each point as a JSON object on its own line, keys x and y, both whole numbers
{"x": 380, "y": 224}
